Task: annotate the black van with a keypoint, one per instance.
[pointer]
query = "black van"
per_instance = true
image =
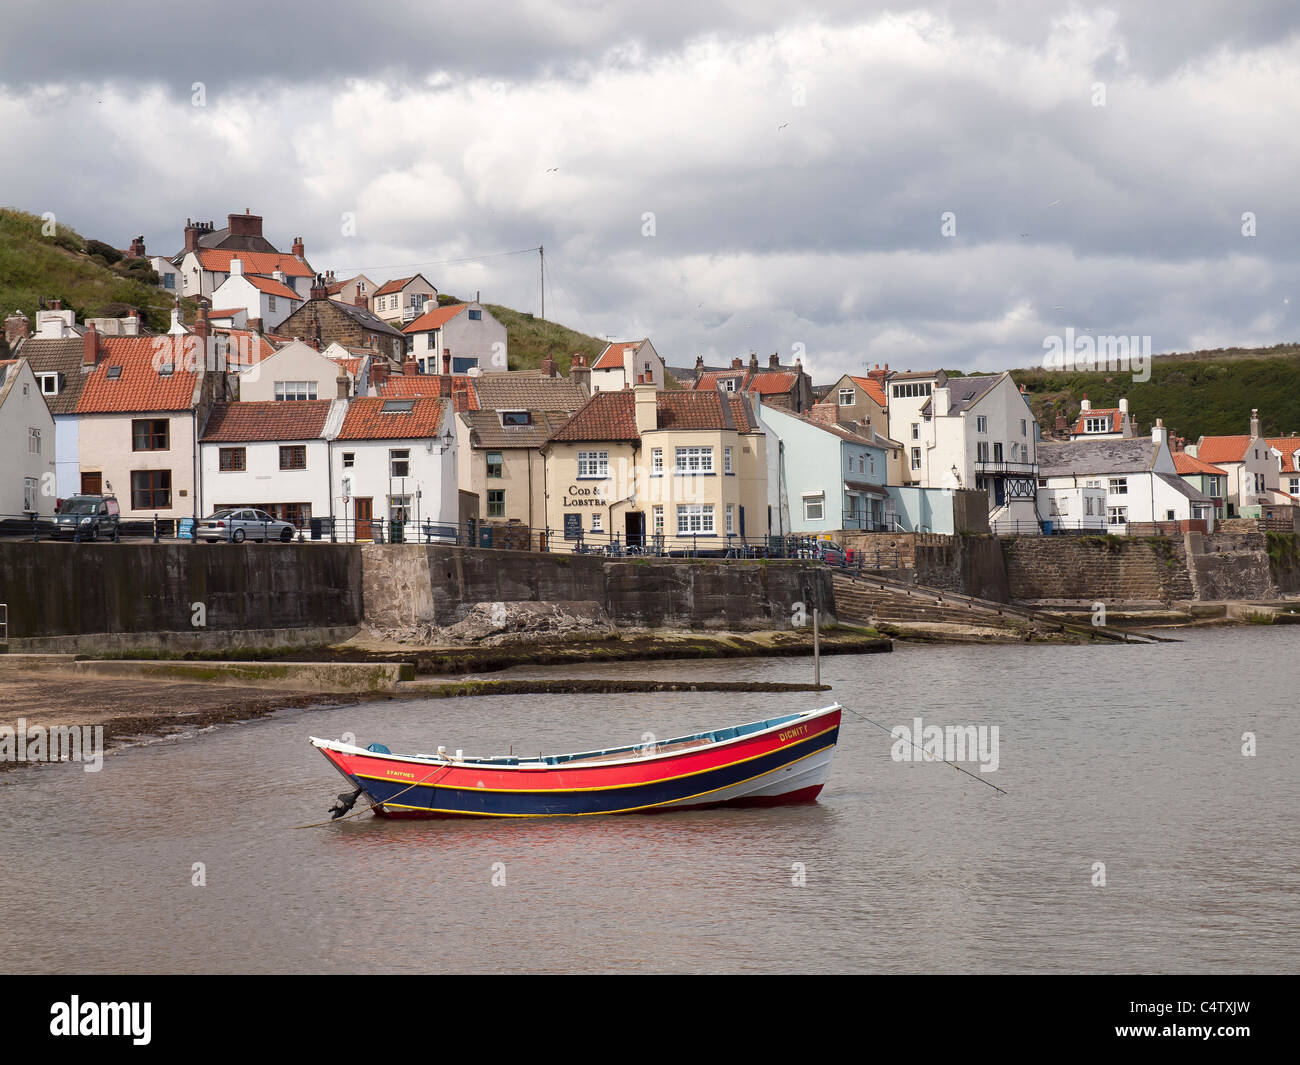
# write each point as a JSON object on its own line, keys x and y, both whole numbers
{"x": 93, "y": 516}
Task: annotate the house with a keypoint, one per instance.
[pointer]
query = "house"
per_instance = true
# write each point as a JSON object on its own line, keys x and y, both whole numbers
{"x": 824, "y": 476}
{"x": 296, "y": 372}
{"x": 1253, "y": 471}
{"x": 1287, "y": 450}
{"x": 269, "y": 300}
{"x": 459, "y": 388}
{"x": 861, "y": 400}
{"x": 403, "y": 300}
{"x": 27, "y": 443}
{"x": 204, "y": 262}
{"x": 271, "y": 456}
{"x": 327, "y": 321}
{"x": 787, "y": 387}
{"x": 684, "y": 471}
{"x": 169, "y": 274}
{"x": 1210, "y": 480}
{"x": 142, "y": 404}
{"x": 348, "y": 290}
{"x": 501, "y": 437}
{"x": 624, "y": 363}
{"x": 1117, "y": 484}
{"x": 1102, "y": 423}
{"x": 394, "y": 460}
{"x": 456, "y": 337}
{"x": 970, "y": 432}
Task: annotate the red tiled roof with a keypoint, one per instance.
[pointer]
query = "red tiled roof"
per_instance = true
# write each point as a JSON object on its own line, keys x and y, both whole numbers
{"x": 1222, "y": 448}
{"x": 764, "y": 382}
{"x": 265, "y": 348}
{"x": 435, "y": 318}
{"x": 366, "y": 420}
{"x": 871, "y": 387}
{"x": 1187, "y": 464}
{"x": 226, "y": 312}
{"x": 612, "y": 415}
{"x": 771, "y": 384}
{"x": 426, "y": 384}
{"x": 271, "y": 286}
{"x": 1111, "y": 414}
{"x": 1288, "y": 445}
{"x": 254, "y": 262}
{"x": 353, "y": 366}
{"x": 266, "y": 420}
{"x": 389, "y": 287}
{"x": 612, "y": 357}
{"x": 140, "y": 387}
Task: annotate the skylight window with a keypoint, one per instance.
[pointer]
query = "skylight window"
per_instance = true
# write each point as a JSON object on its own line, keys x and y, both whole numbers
{"x": 114, "y": 372}
{"x": 398, "y": 406}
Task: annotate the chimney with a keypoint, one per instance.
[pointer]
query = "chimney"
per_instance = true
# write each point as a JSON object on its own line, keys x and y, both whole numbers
{"x": 342, "y": 382}
{"x": 774, "y": 361}
{"x": 236, "y": 267}
{"x": 131, "y": 327}
{"x": 1254, "y": 423}
{"x": 255, "y": 325}
{"x": 736, "y": 364}
{"x": 202, "y": 329}
{"x": 18, "y": 327}
{"x": 647, "y": 408}
{"x": 244, "y": 225}
{"x": 580, "y": 372}
{"x": 1159, "y": 434}
{"x": 548, "y": 367}
{"x": 1086, "y": 404}
{"x": 360, "y": 300}
{"x": 136, "y": 250}
{"x": 1123, "y": 405}
{"x": 940, "y": 401}
{"x": 408, "y": 365}
{"x": 301, "y": 252}
{"x": 279, "y": 275}
{"x": 878, "y": 375}
{"x": 318, "y": 290}
{"x": 1062, "y": 426}
{"x": 446, "y": 360}
{"x": 753, "y": 361}
{"x": 378, "y": 372}
{"x": 56, "y": 305}
{"x": 90, "y": 351}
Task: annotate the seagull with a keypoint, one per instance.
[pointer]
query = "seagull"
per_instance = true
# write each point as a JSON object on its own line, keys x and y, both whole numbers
{"x": 782, "y": 126}
{"x": 1055, "y": 203}
{"x": 553, "y": 169}
{"x": 1024, "y": 234}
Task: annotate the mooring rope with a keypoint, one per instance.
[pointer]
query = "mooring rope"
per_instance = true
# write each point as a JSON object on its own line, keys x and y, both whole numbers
{"x": 926, "y": 754}
{"x": 335, "y": 820}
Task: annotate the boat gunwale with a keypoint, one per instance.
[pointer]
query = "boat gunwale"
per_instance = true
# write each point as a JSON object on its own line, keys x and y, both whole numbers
{"x": 800, "y": 717}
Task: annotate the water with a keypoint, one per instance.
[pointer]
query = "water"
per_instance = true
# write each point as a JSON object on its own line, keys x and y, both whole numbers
{"x": 1127, "y": 755}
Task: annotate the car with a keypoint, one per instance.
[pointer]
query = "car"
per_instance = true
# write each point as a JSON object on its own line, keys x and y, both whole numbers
{"x": 827, "y": 551}
{"x": 86, "y": 517}
{"x": 242, "y": 524}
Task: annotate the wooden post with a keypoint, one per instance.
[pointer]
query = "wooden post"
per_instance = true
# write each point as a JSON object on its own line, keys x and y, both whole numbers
{"x": 817, "y": 651}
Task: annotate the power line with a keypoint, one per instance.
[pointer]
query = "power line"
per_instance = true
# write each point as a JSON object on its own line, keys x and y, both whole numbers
{"x": 440, "y": 262}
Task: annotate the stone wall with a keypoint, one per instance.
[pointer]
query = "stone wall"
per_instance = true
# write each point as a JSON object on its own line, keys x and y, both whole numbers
{"x": 1231, "y": 565}
{"x": 1097, "y": 568}
{"x": 971, "y": 565}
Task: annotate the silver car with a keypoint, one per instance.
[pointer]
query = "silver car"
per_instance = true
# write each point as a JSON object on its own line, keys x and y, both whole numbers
{"x": 237, "y": 526}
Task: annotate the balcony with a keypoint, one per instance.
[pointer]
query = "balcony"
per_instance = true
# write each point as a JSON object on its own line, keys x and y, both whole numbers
{"x": 997, "y": 466}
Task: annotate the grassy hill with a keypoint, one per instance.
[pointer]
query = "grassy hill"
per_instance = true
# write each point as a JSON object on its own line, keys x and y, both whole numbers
{"x": 1196, "y": 393}
{"x": 90, "y": 277}
{"x": 530, "y": 339}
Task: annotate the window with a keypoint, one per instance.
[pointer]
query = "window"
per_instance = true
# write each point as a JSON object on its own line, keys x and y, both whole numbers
{"x": 695, "y": 518}
{"x": 399, "y": 508}
{"x": 475, "y": 316}
{"x": 149, "y": 434}
{"x": 1117, "y": 516}
{"x": 1118, "y": 486}
{"x": 982, "y": 451}
{"x": 727, "y": 384}
{"x": 114, "y": 373}
{"x": 29, "y": 493}
{"x": 34, "y": 441}
{"x": 516, "y": 417}
{"x": 169, "y": 280}
{"x": 1293, "y": 486}
{"x": 293, "y": 457}
{"x": 231, "y": 459}
{"x": 151, "y": 489}
{"x": 916, "y": 458}
{"x": 597, "y": 522}
{"x": 295, "y": 390}
{"x": 349, "y": 459}
{"x": 656, "y": 460}
{"x": 911, "y": 390}
{"x": 495, "y": 464}
{"x": 593, "y": 464}
{"x": 846, "y": 397}
{"x": 916, "y": 430}
{"x": 1096, "y": 425}
{"x": 1087, "y": 505}
{"x": 726, "y": 460}
{"x": 1169, "y": 515}
{"x": 731, "y": 518}
{"x": 997, "y": 451}
{"x": 399, "y": 463}
{"x": 657, "y": 516}
{"x": 695, "y": 460}
{"x": 397, "y": 406}
{"x": 49, "y": 383}
{"x": 981, "y": 423}
{"x": 814, "y": 509}
{"x": 1024, "y": 427}
{"x": 270, "y": 305}
{"x": 496, "y": 503}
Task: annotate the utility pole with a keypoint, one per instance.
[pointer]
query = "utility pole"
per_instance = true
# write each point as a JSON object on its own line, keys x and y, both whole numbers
{"x": 541, "y": 269}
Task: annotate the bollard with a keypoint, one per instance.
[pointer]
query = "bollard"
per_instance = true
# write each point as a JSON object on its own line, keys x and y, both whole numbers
{"x": 35, "y": 536}
{"x": 155, "y": 528}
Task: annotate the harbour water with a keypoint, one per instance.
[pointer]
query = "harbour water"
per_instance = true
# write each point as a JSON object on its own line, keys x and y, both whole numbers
{"x": 1129, "y": 756}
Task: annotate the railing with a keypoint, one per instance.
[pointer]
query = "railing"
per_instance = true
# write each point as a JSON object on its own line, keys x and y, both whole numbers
{"x": 1001, "y": 466}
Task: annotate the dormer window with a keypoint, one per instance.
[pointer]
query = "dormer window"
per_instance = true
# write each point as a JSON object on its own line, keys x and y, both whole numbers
{"x": 1096, "y": 425}
{"x": 49, "y": 383}
{"x": 516, "y": 417}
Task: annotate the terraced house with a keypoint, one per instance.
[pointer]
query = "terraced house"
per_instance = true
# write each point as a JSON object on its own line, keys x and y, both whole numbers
{"x": 667, "y": 470}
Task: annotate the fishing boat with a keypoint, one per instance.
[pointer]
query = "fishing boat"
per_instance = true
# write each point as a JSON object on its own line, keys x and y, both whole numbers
{"x": 763, "y": 763}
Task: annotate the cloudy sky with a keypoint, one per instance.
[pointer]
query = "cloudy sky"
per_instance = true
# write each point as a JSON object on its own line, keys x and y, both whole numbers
{"x": 941, "y": 185}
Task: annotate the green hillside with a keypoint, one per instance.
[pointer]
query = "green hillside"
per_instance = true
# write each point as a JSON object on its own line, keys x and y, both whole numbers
{"x": 1199, "y": 393}
{"x": 90, "y": 277}
{"x": 530, "y": 339}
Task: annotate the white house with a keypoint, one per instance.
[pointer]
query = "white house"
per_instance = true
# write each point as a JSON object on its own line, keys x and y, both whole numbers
{"x": 271, "y": 456}
{"x": 625, "y": 363}
{"x": 298, "y": 372}
{"x": 394, "y": 460}
{"x": 1102, "y": 423}
{"x": 269, "y": 299}
{"x": 26, "y": 442}
{"x": 454, "y": 338}
{"x": 1128, "y": 481}
{"x": 402, "y": 300}
{"x": 1253, "y": 466}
